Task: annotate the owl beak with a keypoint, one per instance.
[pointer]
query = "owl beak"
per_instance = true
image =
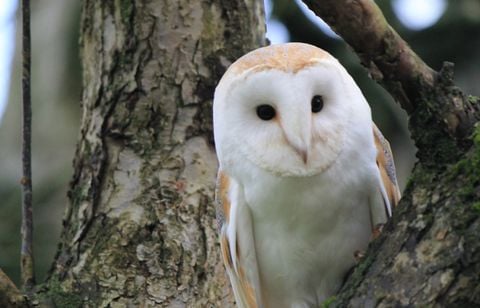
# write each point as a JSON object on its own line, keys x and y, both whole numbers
{"x": 303, "y": 154}
{"x": 298, "y": 134}
{"x": 301, "y": 150}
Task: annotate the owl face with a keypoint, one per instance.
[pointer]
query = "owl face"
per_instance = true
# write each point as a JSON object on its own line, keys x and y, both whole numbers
{"x": 287, "y": 110}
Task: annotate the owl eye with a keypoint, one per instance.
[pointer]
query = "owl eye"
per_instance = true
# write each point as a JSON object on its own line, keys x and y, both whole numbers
{"x": 265, "y": 112}
{"x": 317, "y": 103}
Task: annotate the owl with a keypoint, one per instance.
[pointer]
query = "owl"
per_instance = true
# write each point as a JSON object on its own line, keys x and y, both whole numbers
{"x": 304, "y": 175}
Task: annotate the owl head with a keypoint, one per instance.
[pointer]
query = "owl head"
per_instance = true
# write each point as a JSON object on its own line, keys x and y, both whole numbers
{"x": 289, "y": 109}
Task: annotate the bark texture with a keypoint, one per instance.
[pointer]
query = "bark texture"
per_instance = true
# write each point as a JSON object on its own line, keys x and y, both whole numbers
{"x": 140, "y": 228}
{"x": 429, "y": 253}
{"x": 10, "y": 296}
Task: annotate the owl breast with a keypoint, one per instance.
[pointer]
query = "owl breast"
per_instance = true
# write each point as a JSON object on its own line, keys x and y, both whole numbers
{"x": 306, "y": 231}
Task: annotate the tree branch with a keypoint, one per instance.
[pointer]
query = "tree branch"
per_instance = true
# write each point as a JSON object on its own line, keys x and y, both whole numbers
{"x": 392, "y": 63}
{"x": 26, "y": 264}
{"x": 10, "y": 296}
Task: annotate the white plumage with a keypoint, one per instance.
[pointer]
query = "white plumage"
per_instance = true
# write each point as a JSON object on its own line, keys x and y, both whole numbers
{"x": 304, "y": 175}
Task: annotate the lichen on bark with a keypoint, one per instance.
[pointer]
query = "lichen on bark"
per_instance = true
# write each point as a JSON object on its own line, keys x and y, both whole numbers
{"x": 10, "y": 296}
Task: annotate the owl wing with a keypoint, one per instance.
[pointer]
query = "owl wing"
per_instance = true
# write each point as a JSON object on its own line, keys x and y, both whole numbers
{"x": 388, "y": 180}
{"x": 237, "y": 241}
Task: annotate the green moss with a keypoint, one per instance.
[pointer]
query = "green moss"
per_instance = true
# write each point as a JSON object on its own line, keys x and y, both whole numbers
{"x": 476, "y": 137}
{"x": 476, "y": 206}
{"x": 470, "y": 165}
{"x": 211, "y": 25}
{"x": 78, "y": 194}
{"x": 466, "y": 173}
{"x": 126, "y": 10}
{"x": 473, "y": 99}
{"x": 466, "y": 192}
{"x": 436, "y": 148}
{"x": 56, "y": 296}
{"x": 329, "y": 302}
{"x": 354, "y": 280}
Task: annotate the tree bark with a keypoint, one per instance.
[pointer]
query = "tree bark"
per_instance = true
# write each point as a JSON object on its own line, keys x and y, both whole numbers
{"x": 140, "y": 228}
{"x": 429, "y": 253}
{"x": 10, "y": 296}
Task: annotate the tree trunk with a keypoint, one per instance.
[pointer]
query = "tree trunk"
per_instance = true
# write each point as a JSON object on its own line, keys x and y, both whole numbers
{"x": 140, "y": 228}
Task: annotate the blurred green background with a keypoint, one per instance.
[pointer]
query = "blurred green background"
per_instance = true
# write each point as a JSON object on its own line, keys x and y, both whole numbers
{"x": 452, "y": 33}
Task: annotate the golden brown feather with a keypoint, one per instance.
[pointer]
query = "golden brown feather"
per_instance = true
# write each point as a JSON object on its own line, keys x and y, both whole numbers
{"x": 288, "y": 58}
{"x": 222, "y": 202}
{"x": 386, "y": 166}
{"x": 247, "y": 292}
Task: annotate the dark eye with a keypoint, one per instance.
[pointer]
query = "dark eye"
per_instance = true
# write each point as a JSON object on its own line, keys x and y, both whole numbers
{"x": 317, "y": 103}
{"x": 265, "y": 112}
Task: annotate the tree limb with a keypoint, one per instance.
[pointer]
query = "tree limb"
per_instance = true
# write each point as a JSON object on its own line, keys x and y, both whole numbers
{"x": 392, "y": 63}
{"x": 26, "y": 264}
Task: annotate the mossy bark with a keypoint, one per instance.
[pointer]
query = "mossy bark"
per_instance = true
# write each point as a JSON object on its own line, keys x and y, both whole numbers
{"x": 140, "y": 228}
{"x": 429, "y": 253}
{"x": 10, "y": 296}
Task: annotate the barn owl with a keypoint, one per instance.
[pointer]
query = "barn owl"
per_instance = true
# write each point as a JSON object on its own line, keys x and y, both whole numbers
{"x": 304, "y": 175}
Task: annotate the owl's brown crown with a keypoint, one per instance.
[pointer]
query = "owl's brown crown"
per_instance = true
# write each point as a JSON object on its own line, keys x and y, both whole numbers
{"x": 291, "y": 57}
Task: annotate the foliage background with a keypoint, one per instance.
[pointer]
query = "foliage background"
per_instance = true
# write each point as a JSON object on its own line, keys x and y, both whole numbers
{"x": 56, "y": 95}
